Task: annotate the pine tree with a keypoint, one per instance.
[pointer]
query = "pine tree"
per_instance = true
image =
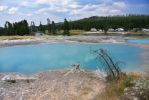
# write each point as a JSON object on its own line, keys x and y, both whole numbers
{"x": 9, "y": 28}
{"x": 48, "y": 25}
{"x": 41, "y": 27}
{"x": 66, "y": 28}
{"x": 26, "y": 28}
{"x": 33, "y": 27}
{"x": 53, "y": 28}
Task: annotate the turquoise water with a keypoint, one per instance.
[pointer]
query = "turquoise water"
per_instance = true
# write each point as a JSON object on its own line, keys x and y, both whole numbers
{"x": 144, "y": 41}
{"x": 35, "y": 58}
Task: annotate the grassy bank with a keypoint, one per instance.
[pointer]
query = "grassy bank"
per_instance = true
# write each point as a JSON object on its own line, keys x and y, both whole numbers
{"x": 116, "y": 90}
{"x": 16, "y": 37}
{"x": 76, "y": 32}
{"x": 25, "y": 37}
{"x": 72, "y": 32}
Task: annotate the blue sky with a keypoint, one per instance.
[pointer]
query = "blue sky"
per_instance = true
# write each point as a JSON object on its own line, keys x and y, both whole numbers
{"x": 57, "y": 10}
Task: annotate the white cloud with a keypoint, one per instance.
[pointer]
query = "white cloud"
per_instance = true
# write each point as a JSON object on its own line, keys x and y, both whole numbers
{"x": 12, "y": 10}
{"x": 2, "y": 7}
{"x": 29, "y": 14}
{"x": 59, "y": 5}
{"x": 102, "y": 9}
{"x": 56, "y": 2}
{"x": 42, "y": 11}
{"x": 43, "y": 1}
{"x": 71, "y": 7}
{"x": 120, "y": 4}
{"x": 59, "y": 9}
{"x": 115, "y": 11}
{"x": 28, "y": 4}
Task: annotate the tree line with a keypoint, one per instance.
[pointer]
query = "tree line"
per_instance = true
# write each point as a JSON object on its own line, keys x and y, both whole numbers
{"x": 23, "y": 28}
{"x": 52, "y": 27}
{"x": 128, "y": 22}
{"x": 17, "y": 28}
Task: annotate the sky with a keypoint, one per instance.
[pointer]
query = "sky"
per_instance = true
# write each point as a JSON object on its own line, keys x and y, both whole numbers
{"x": 57, "y": 10}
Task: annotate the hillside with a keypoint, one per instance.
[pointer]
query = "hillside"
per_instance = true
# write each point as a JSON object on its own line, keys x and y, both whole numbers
{"x": 127, "y": 22}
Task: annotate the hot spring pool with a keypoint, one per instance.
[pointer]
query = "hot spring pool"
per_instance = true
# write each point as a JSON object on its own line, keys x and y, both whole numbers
{"x": 59, "y": 56}
{"x": 141, "y": 41}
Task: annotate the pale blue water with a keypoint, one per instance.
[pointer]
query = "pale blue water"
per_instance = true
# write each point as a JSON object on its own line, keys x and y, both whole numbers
{"x": 57, "y": 56}
{"x": 143, "y": 41}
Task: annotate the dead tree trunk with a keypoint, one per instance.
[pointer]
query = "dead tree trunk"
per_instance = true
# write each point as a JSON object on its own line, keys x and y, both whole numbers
{"x": 110, "y": 65}
{"x": 111, "y": 61}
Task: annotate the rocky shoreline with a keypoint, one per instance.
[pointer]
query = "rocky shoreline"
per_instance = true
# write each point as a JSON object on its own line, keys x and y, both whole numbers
{"x": 8, "y": 43}
{"x": 61, "y": 39}
{"x": 51, "y": 85}
{"x": 66, "y": 85}
{"x": 65, "y": 39}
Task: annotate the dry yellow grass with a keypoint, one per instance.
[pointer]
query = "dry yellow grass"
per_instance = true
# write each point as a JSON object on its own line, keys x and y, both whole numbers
{"x": 16, "y": 37}
{"x": 25, "y": 37}
{"x": 115, "y": 89}
{"x": 72, "y": 32}
{"x": 76, "y": 32}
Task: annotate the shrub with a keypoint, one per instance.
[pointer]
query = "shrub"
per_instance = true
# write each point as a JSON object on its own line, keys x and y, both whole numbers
{"x": 11, "y": 81}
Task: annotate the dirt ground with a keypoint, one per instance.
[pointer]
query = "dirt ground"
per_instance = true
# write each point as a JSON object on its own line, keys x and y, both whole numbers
{"x": 53, "y": 85}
